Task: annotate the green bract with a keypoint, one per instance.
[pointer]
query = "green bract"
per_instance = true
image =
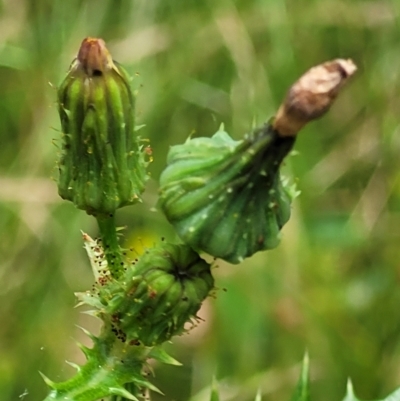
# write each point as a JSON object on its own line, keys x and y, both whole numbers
{"x": 226, "y": 197}
{"x": 101, "y": 167}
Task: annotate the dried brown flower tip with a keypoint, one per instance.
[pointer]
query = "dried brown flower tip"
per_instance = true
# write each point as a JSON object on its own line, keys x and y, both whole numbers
{"x": 94, "y": 57}
{"x": 312, "y": 95}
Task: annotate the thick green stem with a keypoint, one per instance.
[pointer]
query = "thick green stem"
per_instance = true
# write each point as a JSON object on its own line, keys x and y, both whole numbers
{"x": 112, "y": 250}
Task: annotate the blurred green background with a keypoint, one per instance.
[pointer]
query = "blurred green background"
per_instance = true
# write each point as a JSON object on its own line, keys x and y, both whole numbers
{"x": 331, "y": 287}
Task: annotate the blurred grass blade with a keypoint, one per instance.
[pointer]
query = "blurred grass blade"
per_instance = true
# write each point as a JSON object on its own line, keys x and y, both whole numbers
{"x": 258, "y": 395}
{"x": 395, "y": 396}
{"x": 15, "y": 57}
{"x": 350, "y": 392}
{"x": 350, "y": 396}
{"x": 302, "y": 392}
{"x": 214, "y": 390}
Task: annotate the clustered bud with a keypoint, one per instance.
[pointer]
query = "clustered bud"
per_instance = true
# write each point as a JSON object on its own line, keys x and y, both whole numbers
{"x": 102, "y": 167}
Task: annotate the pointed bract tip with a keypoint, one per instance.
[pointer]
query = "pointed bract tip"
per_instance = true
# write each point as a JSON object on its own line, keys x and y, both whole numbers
{"x": 86, "y": 237}
{"x": 86, "y": 351}
{"x": 91, "y": 312}
{"x": 162, "y": 356}
{"x": 120, "y": 391}
{"x": 151, "y": 387}
{"x": 74, "y": 365}
{"x": 49, "y": 382}
{"x": 79, "y": 304}
{"x": 88, "y": 333}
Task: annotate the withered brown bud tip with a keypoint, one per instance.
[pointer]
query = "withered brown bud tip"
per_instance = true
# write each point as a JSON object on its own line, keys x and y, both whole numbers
{"x": 312, "y": 95}
{"x": 94, "y": 57}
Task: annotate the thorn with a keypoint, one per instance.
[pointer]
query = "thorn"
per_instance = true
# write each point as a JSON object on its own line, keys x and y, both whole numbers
{"x": 138, "y": 127}
{"x": 162, "y": 356}
{"x": 84, "y": 349}
{"x": 91, "y": 312}
{"x": 151, "y": 370}
{"x": 214, "y": 390}
{"x": 350, "y": 389}
{"x": 24, "y": 394}
{"x": 81, "y": 303}
{"x": 49, "y": 382}
{"x": 88, "y": 333}
{"x": 74, "y": 365}
{"x": 139, "y": 381}
{"x": 122, "y": 392}
{"x": 258, "y": 395}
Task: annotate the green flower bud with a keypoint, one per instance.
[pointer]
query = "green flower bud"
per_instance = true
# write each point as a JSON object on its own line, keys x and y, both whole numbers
{"x": 102, "y": 167}
{"x": 155, "y": 297}
{"x": 226, "y": 197}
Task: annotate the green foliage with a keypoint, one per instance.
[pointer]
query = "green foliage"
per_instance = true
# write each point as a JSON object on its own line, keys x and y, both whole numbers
{"x": 214, "y": 391}
{"x": 302, "y": 392}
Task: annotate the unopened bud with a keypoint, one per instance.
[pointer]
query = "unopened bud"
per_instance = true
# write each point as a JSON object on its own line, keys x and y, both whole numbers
{"x": 226, "y": 197}
{"x": 155, "y": 297}
{"x": 101, "y": 167}
{"x": 312, "y": 95}
{"x": 94, "y": 57}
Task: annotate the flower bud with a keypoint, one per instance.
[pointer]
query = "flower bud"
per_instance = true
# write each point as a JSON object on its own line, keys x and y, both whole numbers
{"x": 312, "y": 95}
{"x": 226, "y": 197}
{"x": 102, "y": 167}
{"x": 155, "y": 297}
